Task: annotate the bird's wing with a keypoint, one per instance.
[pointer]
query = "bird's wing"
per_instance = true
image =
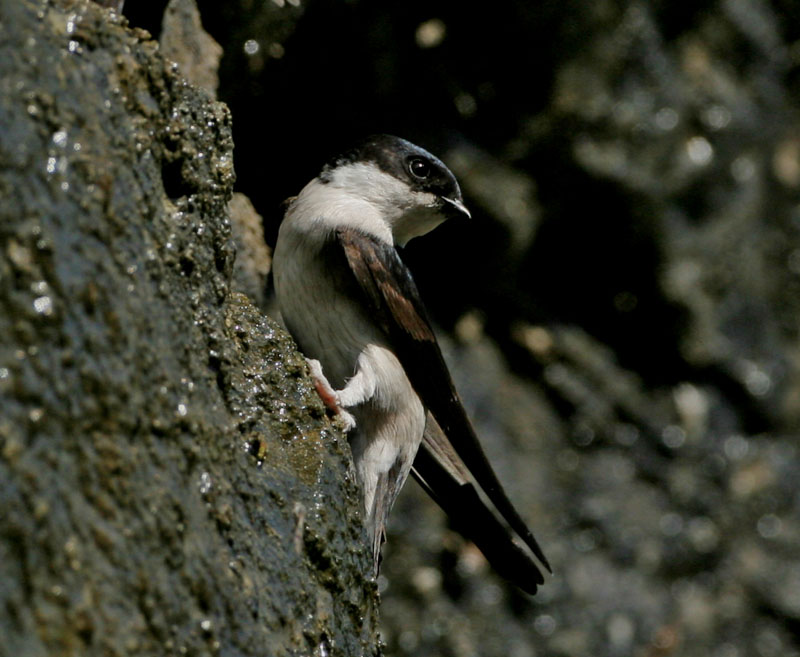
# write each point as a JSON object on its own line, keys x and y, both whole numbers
{"x": 440, "y": 472}
{"x": 449, "y": 455}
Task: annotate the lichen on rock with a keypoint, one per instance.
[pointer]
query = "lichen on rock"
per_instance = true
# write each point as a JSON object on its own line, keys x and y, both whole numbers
{"x": 169, "y": 483}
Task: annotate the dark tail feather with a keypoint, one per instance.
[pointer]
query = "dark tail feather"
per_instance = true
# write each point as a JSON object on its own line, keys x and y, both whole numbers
{"x": 475, "y": 521}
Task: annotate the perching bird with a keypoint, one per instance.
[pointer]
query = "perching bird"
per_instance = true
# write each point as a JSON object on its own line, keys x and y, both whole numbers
{"x": 351, "y": 304}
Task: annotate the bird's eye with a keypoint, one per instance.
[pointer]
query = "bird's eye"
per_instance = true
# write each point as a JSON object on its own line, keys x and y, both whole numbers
{"x": 419, "y": 168}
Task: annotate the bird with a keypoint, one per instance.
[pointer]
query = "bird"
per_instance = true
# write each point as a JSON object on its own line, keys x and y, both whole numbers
{"x": 353, "y": 308}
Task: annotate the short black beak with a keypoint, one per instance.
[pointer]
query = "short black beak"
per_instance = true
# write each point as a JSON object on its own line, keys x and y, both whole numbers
{"x": 455, "y": 208}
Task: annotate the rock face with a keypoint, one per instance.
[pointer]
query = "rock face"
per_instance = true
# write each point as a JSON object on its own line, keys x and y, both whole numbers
{"x": 169, "y": 483}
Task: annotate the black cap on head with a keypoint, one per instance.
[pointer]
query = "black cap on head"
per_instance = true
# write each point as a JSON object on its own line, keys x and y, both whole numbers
{"x": 403, "y": 160}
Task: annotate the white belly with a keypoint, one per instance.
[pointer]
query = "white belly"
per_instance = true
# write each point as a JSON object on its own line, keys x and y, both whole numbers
{"x": 339, "y": 332}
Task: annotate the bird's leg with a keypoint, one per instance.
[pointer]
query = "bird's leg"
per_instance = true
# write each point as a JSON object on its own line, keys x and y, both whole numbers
{"x": 330, "y": 397}
{"x": 324, "y": 388}
{"x": 360, "y": 388}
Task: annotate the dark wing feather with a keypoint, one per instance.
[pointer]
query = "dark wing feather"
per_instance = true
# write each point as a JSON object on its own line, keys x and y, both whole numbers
{"x": 444, "y": 480}
{"x": 393, "y": 298}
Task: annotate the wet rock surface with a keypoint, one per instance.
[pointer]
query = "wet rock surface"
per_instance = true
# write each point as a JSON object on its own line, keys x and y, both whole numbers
{"x": 169, "y": 483}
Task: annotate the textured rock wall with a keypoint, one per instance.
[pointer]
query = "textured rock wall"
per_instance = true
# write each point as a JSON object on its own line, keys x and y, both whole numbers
{"x": 168, "y": 481}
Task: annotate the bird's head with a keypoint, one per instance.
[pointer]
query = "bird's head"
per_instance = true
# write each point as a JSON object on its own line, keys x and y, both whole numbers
{"x": 412, "y": 190}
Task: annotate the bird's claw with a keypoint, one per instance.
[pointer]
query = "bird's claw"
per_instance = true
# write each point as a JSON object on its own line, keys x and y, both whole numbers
{"x": 345, "y": 420}
{"x": 329, "y": 396}
{"x": 324, "y": 389}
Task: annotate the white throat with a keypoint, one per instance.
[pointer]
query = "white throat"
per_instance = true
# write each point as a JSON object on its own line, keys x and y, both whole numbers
{"x": 404, "y": 212}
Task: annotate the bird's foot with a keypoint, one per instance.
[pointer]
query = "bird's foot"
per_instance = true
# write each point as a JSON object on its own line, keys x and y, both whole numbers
{"x": 329, "y": 396}
{"x": 324, "y": 388}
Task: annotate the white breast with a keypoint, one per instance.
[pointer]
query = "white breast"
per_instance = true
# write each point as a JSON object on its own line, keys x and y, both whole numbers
{"x": 338, "y": 331}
